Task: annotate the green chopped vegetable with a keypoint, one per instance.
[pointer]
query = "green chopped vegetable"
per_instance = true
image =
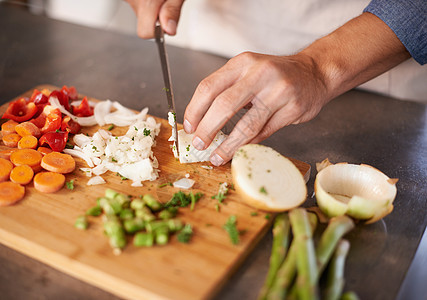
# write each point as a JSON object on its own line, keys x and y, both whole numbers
{"x": 181, "y": 199}
{"x": 263, "y": 190}
{"x": 111, "y": 127}
{"x": 81, "y": 223}
{"x": 184, "y": 236}
{"x": 147, "y": 132}
{"x": 94, "y": 211}
{"x": 70, "y": 184}
{"x": 231, "y": 227}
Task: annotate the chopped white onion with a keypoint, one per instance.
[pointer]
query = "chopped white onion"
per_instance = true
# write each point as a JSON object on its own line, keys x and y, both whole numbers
{"x": 184, "y": 183}
{"x": 96, "y": 180}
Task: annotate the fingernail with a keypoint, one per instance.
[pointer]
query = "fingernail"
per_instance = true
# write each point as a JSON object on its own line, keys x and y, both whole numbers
{"x": 187, "y": 126}
{"x": 216, "y": 160}
{"x": 198, "y": 143}
{"x": 171, "y": 27}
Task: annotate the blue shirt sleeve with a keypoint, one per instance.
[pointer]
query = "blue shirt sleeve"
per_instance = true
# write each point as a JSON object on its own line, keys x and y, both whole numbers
{"x": 407, "y": 19}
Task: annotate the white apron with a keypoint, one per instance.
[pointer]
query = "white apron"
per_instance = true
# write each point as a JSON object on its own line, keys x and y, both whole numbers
{"x": 282, "y": 27}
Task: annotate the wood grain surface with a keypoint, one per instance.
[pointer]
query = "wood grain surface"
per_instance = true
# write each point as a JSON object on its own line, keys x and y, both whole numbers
{"x": 41, "y": 226}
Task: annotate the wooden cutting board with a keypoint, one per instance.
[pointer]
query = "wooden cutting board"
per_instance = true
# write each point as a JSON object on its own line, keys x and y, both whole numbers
{"x": 41, "y": 226}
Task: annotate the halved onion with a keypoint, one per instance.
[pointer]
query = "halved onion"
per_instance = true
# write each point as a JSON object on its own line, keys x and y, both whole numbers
{"x": 266, "y": 179}
{"x": 360, "y": 191}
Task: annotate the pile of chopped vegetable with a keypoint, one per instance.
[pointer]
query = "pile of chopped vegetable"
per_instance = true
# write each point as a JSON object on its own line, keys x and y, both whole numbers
{"x": 129, "y": 155}
{"x": 145, "y": 219}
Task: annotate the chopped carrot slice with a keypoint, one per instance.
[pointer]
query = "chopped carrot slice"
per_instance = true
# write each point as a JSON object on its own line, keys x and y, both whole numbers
{"x": 28, "y": 142}
{"x": 49, "y": 182}
{"x": 10, "y": 193}
{"x": 9, "y": 127}
{"x": 28, "y": 128}
{"x": 29, "y": 157}
{"x": 6, "y": 153}
{"x": 22, "y": 174}
{"x": 11, "y": 139}
{"x": 5, "y": 168}
{"x": 58, "y": 162}
{"x": 44, "y": 150}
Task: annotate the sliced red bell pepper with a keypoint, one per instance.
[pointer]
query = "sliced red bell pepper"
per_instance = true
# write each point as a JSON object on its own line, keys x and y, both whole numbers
{"x": 83, "y": 109}
{"x": 70, "y": 91}
{"x": 38, "y": 97}
{"x": 70, "y": 125}
{"x": 20, "y": 110}
{"x": 62, "y": 98}
{"x": 53, "y": 120}
{"x": 55, "y": 139}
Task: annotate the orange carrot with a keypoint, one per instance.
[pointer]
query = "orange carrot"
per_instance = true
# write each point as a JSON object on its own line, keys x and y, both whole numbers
{"x": 8, "y": 127}
{"x": 22, "y": 174}
{"x": 28, "y": 142}
{"x": 11, "y": 139}
{"x": 44, "y": 150}
{"x": 49, "y": 182}
{"x": 29, "y": 157}
{"x": 28, "y": 128}
{"x": 5, "y": 168}
{"x": 6, "y": 153}
{"x": 58, "y": 162}
{"x": 10, "y": 193}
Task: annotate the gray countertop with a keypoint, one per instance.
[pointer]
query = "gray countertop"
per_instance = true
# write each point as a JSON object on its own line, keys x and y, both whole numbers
{"x": 357, "y": 127}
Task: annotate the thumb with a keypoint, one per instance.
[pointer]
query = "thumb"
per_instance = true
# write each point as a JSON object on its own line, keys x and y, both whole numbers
{"x": 169, "y": 15}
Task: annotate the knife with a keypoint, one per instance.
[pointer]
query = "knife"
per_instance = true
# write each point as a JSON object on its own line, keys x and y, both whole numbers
{"x": 160, "y": 40}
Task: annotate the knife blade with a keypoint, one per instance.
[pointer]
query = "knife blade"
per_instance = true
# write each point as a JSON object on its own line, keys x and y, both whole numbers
{"x": 160, "y": 40}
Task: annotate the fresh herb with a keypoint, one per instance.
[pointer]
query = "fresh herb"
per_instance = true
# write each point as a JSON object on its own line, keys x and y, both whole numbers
{"x": 121, "y": 176}
{"x": 231, "y": 227}
{"x": 94, "y": 148}
{"x": 165, "y": 184}
{"x": 147, "y": 132}
{"x": 254, "y": 214}
{"x": 57, "y": 130}
{"x": 136, "y": 129}
{"x": 267, "y": 217}
{"x": 222, "y": 192}
{"x": 188, "y": 148}
{"x": 70, "y": 184}
{"x": 181, "y": 199}
{"x": 184, "y": 236}
{"x": 263, "y": 190}
{"x": 111, "y": 127}
{"x": 69, "y": 146}
{"x": 113, "y": 159}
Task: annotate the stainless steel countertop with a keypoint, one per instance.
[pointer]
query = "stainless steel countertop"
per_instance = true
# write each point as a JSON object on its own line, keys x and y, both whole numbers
{"x": 357, "y": 127}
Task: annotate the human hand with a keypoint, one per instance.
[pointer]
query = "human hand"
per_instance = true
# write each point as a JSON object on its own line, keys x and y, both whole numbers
{"x": 149, "y": 11}
{"x": 281, "y": 90}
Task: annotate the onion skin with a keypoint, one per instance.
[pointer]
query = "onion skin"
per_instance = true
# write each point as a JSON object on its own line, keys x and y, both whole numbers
{"x": 360, "y": 191}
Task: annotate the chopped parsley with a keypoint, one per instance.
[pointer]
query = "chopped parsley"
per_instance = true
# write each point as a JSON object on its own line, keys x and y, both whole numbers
{"x": 188, "y": 148}
{"x": 180, "y": 199}
{"x": 121, "y": 177}
{"x": 113, "y": 159}
{"x": 185, "y": 234}
{"x": 165, "y": 184}
{"x": 231, "y": 227}
{"x": 147, "y": 132}
{"x": 70, "y": 184}
{"x": 111, "y": 127}
{"x": 254, "y": 213}
{"x": 263, "y": 190}
{"x": 94, "y": 148}
{"x": 222, "y": 192}
{"x": 136, "y": 129}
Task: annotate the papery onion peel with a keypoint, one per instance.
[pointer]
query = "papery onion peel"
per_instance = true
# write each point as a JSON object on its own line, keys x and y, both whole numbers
{"x": 360, "y": 191}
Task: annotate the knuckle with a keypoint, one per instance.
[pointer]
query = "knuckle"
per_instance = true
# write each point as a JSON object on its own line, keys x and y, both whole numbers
{"x": 205, "y": 87}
